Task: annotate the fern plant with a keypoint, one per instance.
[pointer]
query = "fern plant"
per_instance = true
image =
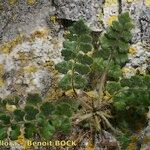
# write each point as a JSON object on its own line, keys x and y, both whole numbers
{"x": 36, "y": 118}
{"x": 76, "y": 64}
{"x": 94, "y": 106}
{"x": 112, "y": 91}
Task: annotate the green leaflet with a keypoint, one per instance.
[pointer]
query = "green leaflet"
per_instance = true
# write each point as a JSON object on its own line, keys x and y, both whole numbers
{"x": 75, "y": 53}
{"x": 68, "y": 55}
{"x": 85, "y": 38}
{"x": 30, "y": 113}
{"x": 47, "y": 108}
{"x": 19, "y": 115}
{"x": 47, "y": 131}
{"x": 113, "y": 87}
{"x": 120, "y": 105}
{"x": 65, "y": 82}
{"x": 82, "y": 69}
{"x": 5, "y": 119}
{"x": 64, "y": 109}
{"x": 85, "y": 47}
{"x": 115, "y": 42}
{"x": 30, "y": 130}
{"x": 84, "y": 59}
{"x": 33, "y": 99}
{"x": 3, "y": 132}
{"x": 79, "y": 28}
{"x": 64, "y": 66}
{"x": 80, "y": 82}
{"x": 15, "y": 132}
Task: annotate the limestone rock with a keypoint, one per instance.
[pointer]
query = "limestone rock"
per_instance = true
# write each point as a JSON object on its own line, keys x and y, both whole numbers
{"x": 75, "y": 9}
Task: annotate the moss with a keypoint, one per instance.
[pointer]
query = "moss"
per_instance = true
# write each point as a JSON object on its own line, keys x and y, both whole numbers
{"x": 31, "y": 2}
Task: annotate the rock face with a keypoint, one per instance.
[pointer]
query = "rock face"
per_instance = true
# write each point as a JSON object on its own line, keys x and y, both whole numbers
{"x": 31, "y": 38}
{"x": 23, "y": 16}
{"x": 75, "y": 9}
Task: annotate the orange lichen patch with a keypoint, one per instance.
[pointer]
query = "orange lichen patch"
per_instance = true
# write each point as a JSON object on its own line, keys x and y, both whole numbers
{"x": 111, "y": 19}
{"x": 147, "y": 3}
{"x": 31, "y": 2}
{"x": 41, "y": 33}
{"x": 132, "y": 50}
{"x": 6, "y": 48}
{"x": 12, "y": 2}
{"x": 30, "y": 69}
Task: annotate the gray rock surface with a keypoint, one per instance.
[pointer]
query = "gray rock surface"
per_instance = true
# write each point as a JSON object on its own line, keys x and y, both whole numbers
{"x": 75, "y": 9}
{"x": 22, "y": 17}
{"x": 25, "y": 63}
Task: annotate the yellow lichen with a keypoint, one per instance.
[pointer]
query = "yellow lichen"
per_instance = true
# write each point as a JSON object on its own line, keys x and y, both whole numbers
{"x": 147, "y": 3}
{"x": 31, "y": 2}
{"x": 110, "y": 2}
{"x": 6, "y": 48}
{"x": 53, "y": 19}
{"x": 132, "y": 146}
{"x": 111, "y": 19}
{"x": 24, "y": 56}
{"x": 30, "y": 69}
{"x": 11, "y": 108}
{"x": 132, "y": 50}
{"x": 128, "y": 71}
{"x": 41, "y": 33}
{"x": 92, "y": 94}
{"x": 129, "y": 1}
{"x": 1, "y": 70}
{"x": 12, "y": 2}
{"x": 107, "y": 96}
{"x": 2, "y": 82}
{"x": 1, "y": 7}
{"x": 23, "y": 142}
